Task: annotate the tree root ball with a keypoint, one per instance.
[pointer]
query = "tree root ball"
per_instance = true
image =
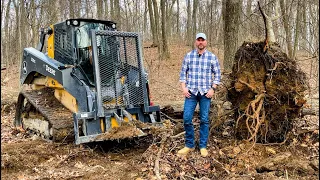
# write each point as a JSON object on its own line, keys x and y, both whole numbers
{"x": 267, "y": 92}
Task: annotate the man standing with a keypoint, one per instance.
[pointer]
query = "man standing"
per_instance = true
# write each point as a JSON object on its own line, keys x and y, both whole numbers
{"x": 198, "y": 85}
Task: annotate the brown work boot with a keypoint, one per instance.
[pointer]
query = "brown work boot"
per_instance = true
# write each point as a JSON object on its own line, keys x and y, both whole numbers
{"x": 185, "y": 151}
{"x": 204, "y": 152}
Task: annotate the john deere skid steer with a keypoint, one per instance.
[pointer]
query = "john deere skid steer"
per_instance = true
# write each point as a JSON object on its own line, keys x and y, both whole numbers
{"x": 89, "y": 85}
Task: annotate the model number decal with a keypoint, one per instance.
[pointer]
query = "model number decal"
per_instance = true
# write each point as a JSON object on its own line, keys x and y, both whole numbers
{"x": 33, "y": 60}
{"x": 50, "y": 70}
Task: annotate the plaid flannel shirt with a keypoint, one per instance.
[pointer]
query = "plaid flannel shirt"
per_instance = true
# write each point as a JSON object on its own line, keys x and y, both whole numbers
{"x": 197, "y": 71}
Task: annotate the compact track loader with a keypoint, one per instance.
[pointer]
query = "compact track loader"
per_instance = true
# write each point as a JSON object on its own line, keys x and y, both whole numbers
{"x": 90, "y": 84}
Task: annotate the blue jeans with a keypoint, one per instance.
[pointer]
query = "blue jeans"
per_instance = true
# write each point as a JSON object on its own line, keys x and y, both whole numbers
{"x": 188, "y": 111}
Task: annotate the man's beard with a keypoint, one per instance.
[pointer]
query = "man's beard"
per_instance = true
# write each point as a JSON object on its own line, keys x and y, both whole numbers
{"x": 201, "y": 47}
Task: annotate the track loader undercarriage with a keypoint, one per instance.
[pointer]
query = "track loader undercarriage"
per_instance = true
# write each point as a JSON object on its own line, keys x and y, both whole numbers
{"x": 42, "y": 114}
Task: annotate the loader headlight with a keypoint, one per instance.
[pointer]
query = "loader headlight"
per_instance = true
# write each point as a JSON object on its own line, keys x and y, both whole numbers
{"x": 75, "y": 22}
{"x": 113, "y": 26}
{"x": 68, "y": 23}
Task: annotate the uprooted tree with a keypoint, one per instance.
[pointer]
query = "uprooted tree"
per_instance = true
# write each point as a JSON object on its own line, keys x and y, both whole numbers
{"x": 267, "y": 90}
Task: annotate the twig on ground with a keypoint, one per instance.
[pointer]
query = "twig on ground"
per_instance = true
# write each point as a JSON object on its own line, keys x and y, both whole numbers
{"x": 171, "y": 119}
{"x": 156, "y": 164}
{"x": 221, "y": 165}
{"x": 190, "y": 177}
{"x": 178, "y": 135}
{"x": 69, "y": 156}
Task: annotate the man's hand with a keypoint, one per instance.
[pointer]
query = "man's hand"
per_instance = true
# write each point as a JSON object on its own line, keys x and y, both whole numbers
{"x": 210, "y": 93}
{"x": 186, "y": 92}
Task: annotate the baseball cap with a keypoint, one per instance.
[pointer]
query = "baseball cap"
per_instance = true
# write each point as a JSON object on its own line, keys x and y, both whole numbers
{"x": 201, "y": 35}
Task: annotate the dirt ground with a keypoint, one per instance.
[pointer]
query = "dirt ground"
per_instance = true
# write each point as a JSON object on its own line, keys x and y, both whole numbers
{"x": 24, "y": 156}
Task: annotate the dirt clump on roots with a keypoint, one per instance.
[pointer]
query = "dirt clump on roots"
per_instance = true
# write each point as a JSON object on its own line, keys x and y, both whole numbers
{"x": 267, "y": 92}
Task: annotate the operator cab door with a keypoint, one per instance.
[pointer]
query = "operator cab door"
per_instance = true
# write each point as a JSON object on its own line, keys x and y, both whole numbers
{"x": 84, "y": 47}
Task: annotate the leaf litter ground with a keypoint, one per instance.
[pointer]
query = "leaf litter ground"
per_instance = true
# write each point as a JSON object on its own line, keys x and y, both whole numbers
{"x": 24, "y": 156}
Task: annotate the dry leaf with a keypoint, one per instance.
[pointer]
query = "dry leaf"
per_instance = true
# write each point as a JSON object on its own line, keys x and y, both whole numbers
{"x": 270, "y": 150}
{"x": 144, "y": 169}
{"x": 207, "y": 166}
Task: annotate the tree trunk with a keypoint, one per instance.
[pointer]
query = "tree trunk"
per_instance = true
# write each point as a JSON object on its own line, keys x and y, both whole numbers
{"x": 6, "y": 34}
{"x": 286, "y": 25}
{"x": 33, "y": 24}
{"x": 78, "y": 11}
{"x": 156, "y": 24}
{"x": 178, "y": 20}
{"x": 145, "y": 16}
{"x": 231, "y": 32}
{"x": 112, "y": 10}
{"x": 156, "y": 21}
{"x": 189, "y": 42}
{"x": 99, "y": 9}
{"x": 303, "y": 24}
{"x": 194, "y": 17}
{"x": 2, "y": 8}
{"x": 117, "y": 14}
{"x": 155, "y": 43}
{"x": 211, "y": 17}
{"x": 165, "y": 52}
{"x": 22, "y": 21}
{"x": 51, "y": 7}
{"x": 269, "y": 26}
{"x": 126, "y": 19}
{"x": 221, "y": 30}
{"x": 297, "y": 30}
{"x": 63, "y": 11}
{"x": 71, "y": 9}
{"x": 248, "y": 8}
{"x": 106, "y": 9}
{"x": 169, "y": 15}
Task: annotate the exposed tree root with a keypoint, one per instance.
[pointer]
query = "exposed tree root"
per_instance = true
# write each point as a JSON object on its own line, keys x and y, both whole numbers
{"x": 267, "y": 93}
{"x": 255, "y": 116}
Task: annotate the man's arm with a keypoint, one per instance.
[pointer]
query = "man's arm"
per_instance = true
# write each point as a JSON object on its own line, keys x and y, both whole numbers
{"x": 184, "y": 70}
{"x": 216, "y": 71}
{"x": 183, "y": 77}
{"x": 183, "y": 85}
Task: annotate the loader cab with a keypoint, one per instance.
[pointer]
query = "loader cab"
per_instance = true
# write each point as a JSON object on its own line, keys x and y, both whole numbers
{"x": 72, "y": 43}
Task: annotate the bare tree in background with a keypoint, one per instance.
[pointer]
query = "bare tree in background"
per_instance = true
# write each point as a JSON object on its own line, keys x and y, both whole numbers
{"x": 106, "y": 9}
{"x": 165, "y": 51}
{"x": 178, "y": 19}
{"x": 194, "y": 18}
{"x": 99, "y": 9}
{"x": 188, "y": 28}
{"x": 6, "y": 34}
{"x": 286, "y": 24}
{"x": 156, "y": 19}
{"x": 155, "y": 41}
{"x": 231, "y": 26}
{"x": 71, "y": 10}
{"x": 117, "y": 17}
{"x": 297, "y": 30}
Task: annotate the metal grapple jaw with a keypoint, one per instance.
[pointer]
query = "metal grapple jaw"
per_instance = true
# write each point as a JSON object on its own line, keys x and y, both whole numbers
{"x": 89, "y": 128}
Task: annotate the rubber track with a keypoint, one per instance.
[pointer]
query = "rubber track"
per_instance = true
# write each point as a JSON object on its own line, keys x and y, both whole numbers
{"x": 60, "y": 118}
